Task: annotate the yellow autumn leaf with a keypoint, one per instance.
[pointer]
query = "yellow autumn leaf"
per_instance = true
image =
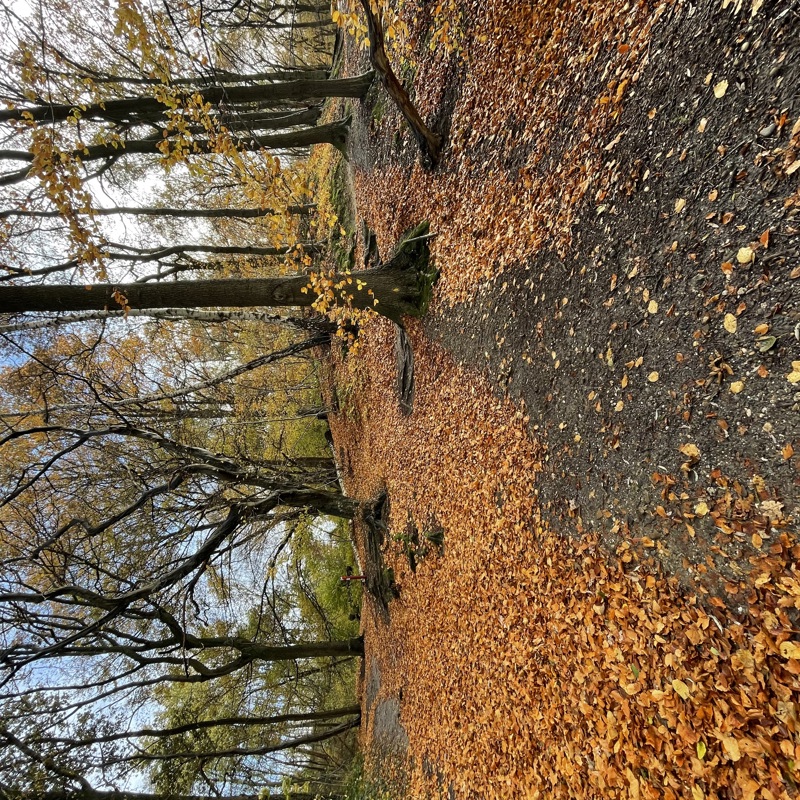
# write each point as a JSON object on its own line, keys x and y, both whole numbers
{"x": 680, "y": 204}
{"x": 790, "y": 650}
{"x": 652, "y": 306}
{"x": 681, "y": 689}
{"x": 729, "y": 323}
{"x": 744, "y": 255}
{"x": 720, "y": 89}
{"x": 652, "y": 377}
{"x": 701, "y": 509}
{"x": 794, "y": 375}
{"x": 690, "y": 450}
{"x": 731, "y": 748}
{"x": 737, "y": 387}
{"x": 697, "y": 793}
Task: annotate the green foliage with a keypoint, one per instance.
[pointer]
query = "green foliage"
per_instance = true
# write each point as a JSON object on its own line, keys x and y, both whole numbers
{"x": 387, "y": 784}
{"x": 326, "y": 603}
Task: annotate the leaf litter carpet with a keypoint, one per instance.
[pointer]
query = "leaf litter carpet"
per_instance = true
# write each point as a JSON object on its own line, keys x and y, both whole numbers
{"x": 528, "y": 661}
{"x": 533, "y": 665}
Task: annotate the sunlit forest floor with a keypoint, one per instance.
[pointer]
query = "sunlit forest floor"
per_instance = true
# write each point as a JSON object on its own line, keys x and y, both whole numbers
{"x": 592, "y": 507}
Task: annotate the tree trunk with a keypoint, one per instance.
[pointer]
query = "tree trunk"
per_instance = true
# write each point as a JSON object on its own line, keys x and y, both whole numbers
{"x": 133, "y": 109}
{"x": 429, "y": 143}
{"x": 188, "y": 213}
{"x": 401, "y": 286}
{"x": 334, "y": 504}
{"x": 172, "y": 315}
{"x": 9, "y": 793}
{"x": 334, "y": 134}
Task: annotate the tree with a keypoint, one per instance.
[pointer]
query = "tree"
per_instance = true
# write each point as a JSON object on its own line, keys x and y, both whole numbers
{"x": 156, "y": 625}
{"x": 400, "y": 286}
{"x": 430, "y": 143}
{"x": 177, "y": 213}
{"x": 79, "y": 592}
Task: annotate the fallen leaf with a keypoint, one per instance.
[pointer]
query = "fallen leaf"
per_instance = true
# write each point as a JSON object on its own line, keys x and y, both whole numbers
{"x": 737, "y": 387}
{"x": 730, "y": 323}
{"x": 761, "y": 329}
{"x": 701, "y": 128}
{"x": 720, "y": 89}
{"x": 766, "y": 343}
{"x": 731, "y": 748}
{"x": 701, "y": 509}
{"x": 652, "y": 306}
{"x": 743, "y": 659}
{"x": 793, "y": 167}
{"x": 680, "y": 204}
{"x": 653, "y": 377}
{"x": 690, "y": 450}
{"x": 771, "y": 509}
{"x": 788, "y": 451}
{"x": 794, "y": 375}
{"x": 681, "y": 689}
{"x": 790, "y": 650}
{"x": 701, "y": 749}
{"x": 745, "y": 255}
{"x": 619, "y": 406}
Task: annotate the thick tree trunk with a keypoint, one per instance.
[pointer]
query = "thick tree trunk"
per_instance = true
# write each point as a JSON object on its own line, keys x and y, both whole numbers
{"x": 133, "y": 109}
{"x": 334, "y": 504}
{"x": 401, "y": 286}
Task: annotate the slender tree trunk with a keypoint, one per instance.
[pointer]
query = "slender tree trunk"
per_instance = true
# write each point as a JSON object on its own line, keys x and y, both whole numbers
{"x": 278, "y": 719}
{"x": 9, "y": 793}
{"x": 181, "y": 213}
{"x": 157, "y": 397}
{"x": 132, "y": 109}
{"x": 430, "y": 143}
{"x": 334, "y": 134}
{"x": 171, "y": 314}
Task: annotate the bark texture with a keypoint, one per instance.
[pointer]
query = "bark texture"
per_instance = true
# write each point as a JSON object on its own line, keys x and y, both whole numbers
{"x": 430, "y": 143}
